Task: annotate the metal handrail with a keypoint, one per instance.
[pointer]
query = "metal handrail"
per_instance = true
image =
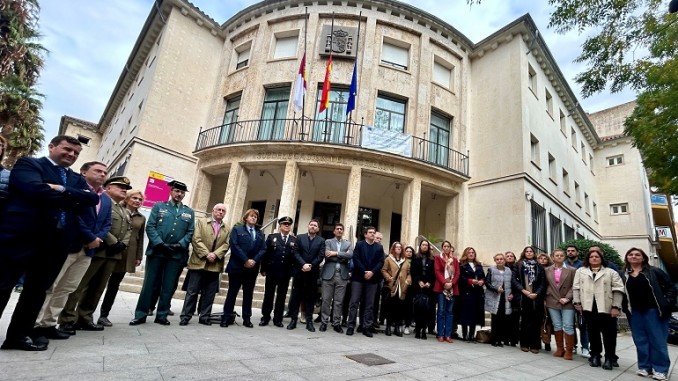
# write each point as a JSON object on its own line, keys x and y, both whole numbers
{"x": 345, "y": 133}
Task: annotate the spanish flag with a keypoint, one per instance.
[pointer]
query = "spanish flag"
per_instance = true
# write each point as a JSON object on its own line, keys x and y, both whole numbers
{"x": 325, "y": 97}
{"x": 300, "y": 86}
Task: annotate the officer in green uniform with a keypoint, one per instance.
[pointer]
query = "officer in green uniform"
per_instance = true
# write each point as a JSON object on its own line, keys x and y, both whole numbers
{"x": 169, "y": 229}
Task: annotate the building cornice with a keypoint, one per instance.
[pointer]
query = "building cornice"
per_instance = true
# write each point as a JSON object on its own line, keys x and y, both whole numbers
{"x": 67, "y": 119}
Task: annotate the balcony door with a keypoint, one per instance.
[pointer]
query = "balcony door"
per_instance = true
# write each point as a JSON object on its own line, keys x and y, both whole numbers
{"x": 273, "y": 114}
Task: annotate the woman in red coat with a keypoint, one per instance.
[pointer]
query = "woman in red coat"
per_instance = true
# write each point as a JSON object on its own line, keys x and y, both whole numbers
{"x": 447, "y": 274}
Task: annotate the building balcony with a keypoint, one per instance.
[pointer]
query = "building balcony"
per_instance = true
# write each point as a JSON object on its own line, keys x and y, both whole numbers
{"x": 342, "y": 134}
{"x": 661, "y": 210}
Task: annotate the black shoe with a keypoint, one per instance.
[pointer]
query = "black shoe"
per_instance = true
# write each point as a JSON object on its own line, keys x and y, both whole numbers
{"x": 183, "y": 322}
{"x": 594, "y": 361}
{"x": 263, "y": 322}
{"x": 323, "y": 327}
{"x": 397, "y": 331}
{"x": 204, "y": 322}
{"x": 423, "y": 334}
{"x": 24, "y": 344}
{"x": 360, "y": 329}
{"x": 247, "y": 323}
{"x": 170, "y": 313}
{"x": 161, "y": 321}
{"x": 417, "y": 333}
{"x": 51, "y": 333}
{"x": 614, "y": 363}
{"x": 349, "y": 331}
{"x": 344, "y": 323}
{"x": 292, "y": 325}
{"x": 310, "y": 327}
{"x": 338, "y": 329}
{"x": 367, "y": 332}
{"x": 138, "y": 321}
{"x": 547, "y": 347}
{"x": 224, "y": 324}
{"x": 607, "y": 365}
{"x": 67, "y": 328}
{"x": 278, "y": 324}
{"x": 387, "y": 331}
{"x": 89, "y": 326}
{"x": 103, "y": 320}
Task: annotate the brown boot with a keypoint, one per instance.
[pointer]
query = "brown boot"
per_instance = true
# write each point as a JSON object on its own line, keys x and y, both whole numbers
{"x": 559, "y": 344}
{"x": 569, "y": 347}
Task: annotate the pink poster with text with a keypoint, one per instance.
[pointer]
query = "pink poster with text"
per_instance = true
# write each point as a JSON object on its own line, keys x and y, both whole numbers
{"x": 157, "y": 189}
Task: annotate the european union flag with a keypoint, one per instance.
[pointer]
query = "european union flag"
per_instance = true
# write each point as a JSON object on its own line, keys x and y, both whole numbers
{"x": 353, "y": 90}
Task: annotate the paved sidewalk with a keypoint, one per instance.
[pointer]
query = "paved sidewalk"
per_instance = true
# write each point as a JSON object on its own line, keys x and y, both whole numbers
{"x": 197, "y": 352}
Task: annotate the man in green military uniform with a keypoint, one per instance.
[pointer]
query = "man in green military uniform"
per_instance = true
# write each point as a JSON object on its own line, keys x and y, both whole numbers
{"x": 82, "y": 303}
{"x": 169, "y": 229}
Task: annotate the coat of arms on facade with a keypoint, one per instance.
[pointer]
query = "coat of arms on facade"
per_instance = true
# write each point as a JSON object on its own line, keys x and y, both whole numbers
{"x": 340, "y": 41}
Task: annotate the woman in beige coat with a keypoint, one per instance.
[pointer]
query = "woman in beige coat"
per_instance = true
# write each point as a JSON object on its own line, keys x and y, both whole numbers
{"x": 396, "y": 273}
{"x": 598, "y": 292}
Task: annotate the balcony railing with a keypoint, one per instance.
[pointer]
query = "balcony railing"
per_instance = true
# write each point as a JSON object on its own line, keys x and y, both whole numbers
{"x": 326, "y": 132}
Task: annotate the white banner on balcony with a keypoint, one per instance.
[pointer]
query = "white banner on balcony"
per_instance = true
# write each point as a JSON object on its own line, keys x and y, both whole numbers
{"x": 387, "y": 141}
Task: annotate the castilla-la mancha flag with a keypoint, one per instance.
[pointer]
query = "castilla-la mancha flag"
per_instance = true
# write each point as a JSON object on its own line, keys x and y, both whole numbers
{"x": 300, "y": 86}
{"x": 325, "y": 97}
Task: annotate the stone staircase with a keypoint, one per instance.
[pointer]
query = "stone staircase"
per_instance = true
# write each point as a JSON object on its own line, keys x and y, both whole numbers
{"x": 133, "y": 283}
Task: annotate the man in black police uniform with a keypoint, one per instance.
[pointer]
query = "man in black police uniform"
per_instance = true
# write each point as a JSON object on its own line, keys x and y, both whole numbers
{"x": 276, "y": 266}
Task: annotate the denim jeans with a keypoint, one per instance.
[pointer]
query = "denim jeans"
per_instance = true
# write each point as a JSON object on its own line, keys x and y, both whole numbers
{"x": 563, "y": 320}
{"x": 650, "y": 333}
{"x": 445, "y": 315}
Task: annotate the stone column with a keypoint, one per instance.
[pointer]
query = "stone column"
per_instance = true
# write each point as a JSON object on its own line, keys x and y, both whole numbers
{"x": 236, "y": 191}
{"x": 352, "y": 204}
{"x": 290, "y": 190}
{"x": 411, "y": 209}
{"x": 201, "y": 191}
{"x": 452, "y": 219}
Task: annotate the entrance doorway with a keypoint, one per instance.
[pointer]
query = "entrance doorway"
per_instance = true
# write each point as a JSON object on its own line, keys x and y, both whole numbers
{"x": 260, "y": 206}
{"x": 328, "y": 214}
{"x": 366, "y": 217}
{"x": 396, "y": 225}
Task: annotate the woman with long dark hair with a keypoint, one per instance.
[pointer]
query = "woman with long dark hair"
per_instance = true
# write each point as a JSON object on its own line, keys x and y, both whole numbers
{"x": 447, "y": 276}
{"x": 396, "y": 273}
{"x": 528, "y": 282}
{"x": 471, "y": 294}
{"x": 598, "y": 292}
{"x": 423, "y": 278}
{"x": 650, "y": 295}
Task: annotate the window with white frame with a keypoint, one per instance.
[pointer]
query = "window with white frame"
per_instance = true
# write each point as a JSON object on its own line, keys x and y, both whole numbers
{"x": 243, "y": 52}
{"x": 549, "y": 102}
{"x": 442, "y": 73}
{"x": 619, "y": 208}
{"x": 286, "y": 44}
{"x": 390, "y": 113}
{"x": 534, "y": 149}
{"x": 395, "y": 53}
{"x": 531, "y": 79}
{"x": 615, "y": 160}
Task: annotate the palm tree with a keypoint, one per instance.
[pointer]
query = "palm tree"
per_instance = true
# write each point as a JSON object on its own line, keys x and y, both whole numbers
{"x": 21, "y": 59}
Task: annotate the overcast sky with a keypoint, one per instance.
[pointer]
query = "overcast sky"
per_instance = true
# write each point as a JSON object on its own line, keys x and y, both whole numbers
{"x": 90, "y": 41}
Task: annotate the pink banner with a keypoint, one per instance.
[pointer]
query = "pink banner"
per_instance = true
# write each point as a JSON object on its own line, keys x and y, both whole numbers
{"x": 157, "y": 189}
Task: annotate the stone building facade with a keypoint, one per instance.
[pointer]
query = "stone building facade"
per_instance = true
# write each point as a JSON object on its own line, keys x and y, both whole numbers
{"x": 483, "y": 144}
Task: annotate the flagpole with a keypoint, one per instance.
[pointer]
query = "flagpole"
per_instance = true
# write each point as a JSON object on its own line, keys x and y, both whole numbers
{"x": 303, "y": 98}
{"x": 357, "y": 46}
{"x": 327, "y": 112}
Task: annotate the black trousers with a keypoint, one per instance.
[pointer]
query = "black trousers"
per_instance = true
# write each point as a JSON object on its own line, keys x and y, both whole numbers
{"x": 513, "y": 325}
{"x": 393, "y": 309}
{"x": 531, "y": 316}
{"x": 205, "y": 283}
{"x": 304, "y": 287}
{"x": 600, "y": 324}
{"x": 246, "y": 279}
{"x": 275, "y": 288}
{"x": 499, "y": 323}
{"x": 112, "y": 289}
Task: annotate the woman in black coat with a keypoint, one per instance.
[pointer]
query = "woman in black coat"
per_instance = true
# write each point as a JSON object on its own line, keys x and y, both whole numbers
{"x": 529, "y": 284}
{"x": 423, "y": 279}
{"x": 471, "y": 294}
{"x": 514, "y": 319}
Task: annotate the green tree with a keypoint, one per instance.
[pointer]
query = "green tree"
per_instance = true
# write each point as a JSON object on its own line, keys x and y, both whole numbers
{"x": 609, "y": 253}
{"x": 21, "y": 59}
{"x": 632, "y": 44}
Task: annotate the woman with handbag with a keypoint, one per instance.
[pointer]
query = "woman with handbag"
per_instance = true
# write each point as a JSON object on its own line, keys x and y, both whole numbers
{"x": 396, "y": 273}
{"x": 651, "y": 295}
{"x": 423, "y": 278}
{"x": 471, "y": 294}
{"x": 447, "y": 275}
{"x": 529, "y": 285}
{"x": 559, "y": 281}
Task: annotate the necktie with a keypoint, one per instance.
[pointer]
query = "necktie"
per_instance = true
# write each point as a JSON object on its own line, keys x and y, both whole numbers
{"x": 216, "y": 227}
{"x": 254, "y": 237}
{"x": 284, "y": 240}
{"x": 62, "y": 214}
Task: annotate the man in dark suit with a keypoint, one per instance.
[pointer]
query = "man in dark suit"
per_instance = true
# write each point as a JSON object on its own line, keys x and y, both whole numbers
{"x": 276, "y": 266}
{"x": 368, "y": 259}
{"x": 335, "y": 275}
{"x": 247, "y": 248}
{"x": 40, "y": 225}
{"x": 95, "y": 223}
{"x": 309, "y": 255}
